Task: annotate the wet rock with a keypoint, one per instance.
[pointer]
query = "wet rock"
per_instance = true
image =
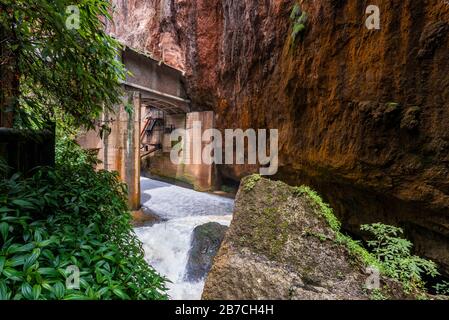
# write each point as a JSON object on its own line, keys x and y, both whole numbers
{"x": 145, "y": 218}
{"x": 205, "y": 244}
{"x": 280, "y": 246}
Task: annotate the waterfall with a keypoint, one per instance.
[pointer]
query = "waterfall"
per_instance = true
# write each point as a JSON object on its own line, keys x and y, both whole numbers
{"x": 167, "y": 244}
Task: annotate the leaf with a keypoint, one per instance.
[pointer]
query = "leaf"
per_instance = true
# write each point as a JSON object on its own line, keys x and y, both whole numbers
{"x": 23, "y": 203}
{"x": 296, "y": 11}
{"x": 32, "y": 258}
{"x": 4, "y": 295}
{"x": 59, "y": 290}
{"x": 103, "y": 291}
{"x": 12, "y": 274}
{"x": 2, "y": 263}
{"x": 20, "y": 248}
{"x": 75, "y": 297}
{"x": 27, "y": 291}
{"x": 52, "y": 272}
{"x": 4, "y": 230}
{"x": 15, "y": 261}
{"x": 37, "y": 289}
{"x": 119, "y": 293}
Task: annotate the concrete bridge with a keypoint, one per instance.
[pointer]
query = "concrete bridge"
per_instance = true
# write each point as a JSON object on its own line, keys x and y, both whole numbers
{"x": 135, "y": 136}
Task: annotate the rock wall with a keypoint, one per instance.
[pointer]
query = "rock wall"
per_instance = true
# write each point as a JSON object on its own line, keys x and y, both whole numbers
{"x": 362, "y": 114}
{"x": 148, "y": 25}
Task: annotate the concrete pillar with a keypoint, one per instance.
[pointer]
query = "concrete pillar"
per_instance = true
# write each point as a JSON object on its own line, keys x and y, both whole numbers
{"x": 119, "y": 150}
{"x": 131, "y": 163}
{"x": 202, "y": 174}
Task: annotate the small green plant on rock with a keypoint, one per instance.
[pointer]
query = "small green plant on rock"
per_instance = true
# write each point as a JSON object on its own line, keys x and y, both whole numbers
{"x": 251, "y": 182}
{"x": 442, "y": 288}
{"x": 299, "y": 19}
{"x": 377, "y": 294}
{"x": 354, "y": 247}
{"x": 394, "y": 253}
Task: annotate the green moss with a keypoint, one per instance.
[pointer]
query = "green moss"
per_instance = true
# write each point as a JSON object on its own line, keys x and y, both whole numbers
{"x": 318, "y": 235}
{"x": 323, "y": 207}
{"x": 354, "y": 248}
{"x": 251, "y": 182}
{"x": 392, "y": 108}
{"x": 270, "y": 230}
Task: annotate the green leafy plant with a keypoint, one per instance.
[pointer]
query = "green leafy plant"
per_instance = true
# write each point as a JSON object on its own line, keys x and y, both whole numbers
{"x": 354, "y": 247}
{"x": 394, "y": 253}
{"x": 251, "y": 182}
{"x": 58, "y": 69}
{"x": 71, "y": 216}
{"x": 378, "y": 294}
{"x": 442, "y": 288}
{"x": 299, "y": 20}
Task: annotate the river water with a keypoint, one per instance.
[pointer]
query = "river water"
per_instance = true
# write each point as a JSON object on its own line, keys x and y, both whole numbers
{"x": 167, "y": 244}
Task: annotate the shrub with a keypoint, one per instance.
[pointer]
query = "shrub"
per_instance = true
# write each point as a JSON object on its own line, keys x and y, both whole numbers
{"x": 442, "y": 288}
{"x": 71, "y": 216}
{"x": 394, "y": 252}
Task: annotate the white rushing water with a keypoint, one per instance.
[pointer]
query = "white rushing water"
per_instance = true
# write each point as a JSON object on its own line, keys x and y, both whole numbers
{"x": 167, "y": 244}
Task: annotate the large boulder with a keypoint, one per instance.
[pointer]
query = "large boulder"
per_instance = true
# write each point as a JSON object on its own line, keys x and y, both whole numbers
{"x": 206, "y": 241}
{"x": 283, "y": 244}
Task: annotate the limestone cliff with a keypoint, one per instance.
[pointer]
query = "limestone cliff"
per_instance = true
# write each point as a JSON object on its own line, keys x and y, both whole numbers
{"x": 362, "y": 114}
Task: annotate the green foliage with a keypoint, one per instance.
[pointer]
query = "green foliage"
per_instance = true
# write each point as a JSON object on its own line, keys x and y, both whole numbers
{"x": 377, "y": 294}
{"x": 71, "y": 216}
{"x": 323, "y": 207}
{"x": 63, "y": 71}
{"x": 394, "y": 253}
{"x": 299, "y": 20}
{"x": 391, "y": 254}
{"x": 251, "y": 182}
{"x": 4, "y": 168}
{"x": 354, "y": 247}
{"x": 442, "y": 288}
{"x": 69, "y": 153}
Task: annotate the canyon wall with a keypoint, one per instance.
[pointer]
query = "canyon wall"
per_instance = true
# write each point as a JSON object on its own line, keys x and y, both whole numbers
{"x": 362, "y": 114}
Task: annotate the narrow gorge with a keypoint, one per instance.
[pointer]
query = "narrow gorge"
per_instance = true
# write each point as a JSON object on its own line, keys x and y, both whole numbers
{"x": 224, "y": 150}
{"x": 362, "y": 114}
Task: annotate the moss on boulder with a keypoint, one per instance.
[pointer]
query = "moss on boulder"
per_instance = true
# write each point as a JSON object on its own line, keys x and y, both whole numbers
{"x": 285, "y": 243}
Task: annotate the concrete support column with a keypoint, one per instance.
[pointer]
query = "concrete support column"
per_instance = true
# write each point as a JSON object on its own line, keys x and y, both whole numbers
{"x": 131, "y": 165}
{"x": 202, "y": 174}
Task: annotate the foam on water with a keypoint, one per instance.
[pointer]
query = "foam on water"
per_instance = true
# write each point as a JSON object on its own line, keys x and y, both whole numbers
{"x": 170, "y": 201}
{"x": 167, "y": 244}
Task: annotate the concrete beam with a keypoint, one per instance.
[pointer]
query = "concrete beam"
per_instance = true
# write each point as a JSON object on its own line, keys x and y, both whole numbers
{"x": 161, "y": 100}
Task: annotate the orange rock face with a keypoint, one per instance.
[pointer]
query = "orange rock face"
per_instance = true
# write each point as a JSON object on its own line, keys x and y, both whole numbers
{"x": 363, "y": 114}
{"x": 148, "y": 25}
